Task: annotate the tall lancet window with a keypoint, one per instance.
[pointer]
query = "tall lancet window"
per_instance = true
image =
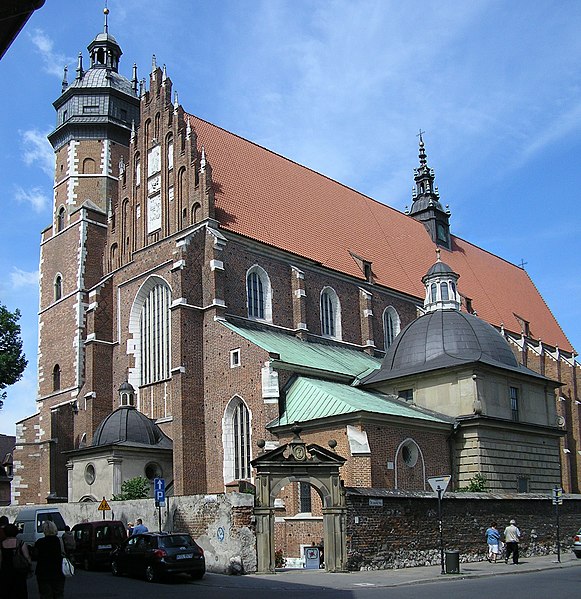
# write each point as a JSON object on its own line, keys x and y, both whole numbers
{"x": 258, "y": 294}
{"x": 391, "y": 326}
{"x": 330, "y": 314}
{"x": 155, "y": 329}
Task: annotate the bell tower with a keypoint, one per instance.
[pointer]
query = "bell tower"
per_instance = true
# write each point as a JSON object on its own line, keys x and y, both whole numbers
{"x": 95, "y": 115}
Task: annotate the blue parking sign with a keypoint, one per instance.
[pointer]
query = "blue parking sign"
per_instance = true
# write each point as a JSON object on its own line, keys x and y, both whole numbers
{"x": 159, "y": 491}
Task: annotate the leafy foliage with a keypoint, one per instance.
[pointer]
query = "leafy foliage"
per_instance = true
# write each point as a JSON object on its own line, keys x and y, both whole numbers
{"x": 12, "y": 359}
{"x": 477, "y": 484}
{"x": 133, "y": 488}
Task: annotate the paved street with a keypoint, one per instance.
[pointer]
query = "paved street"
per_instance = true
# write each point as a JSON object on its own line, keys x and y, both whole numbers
{"x": 534, "y": 578}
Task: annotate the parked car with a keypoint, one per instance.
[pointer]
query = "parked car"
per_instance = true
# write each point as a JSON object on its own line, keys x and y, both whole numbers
{"x": 156, "y": 554}
{"x": 577, "y": 544}
{"x": 94, "y": 542}
{"x": 29, "y": 521}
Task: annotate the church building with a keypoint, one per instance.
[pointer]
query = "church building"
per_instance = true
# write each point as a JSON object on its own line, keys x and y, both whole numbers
{"x": 201, "y": 295}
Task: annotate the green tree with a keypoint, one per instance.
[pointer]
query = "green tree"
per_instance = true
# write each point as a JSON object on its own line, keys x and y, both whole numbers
{"x": 477, "y": 484}
{"x": 12, "y": 359}
{"x": 133, "y": 488}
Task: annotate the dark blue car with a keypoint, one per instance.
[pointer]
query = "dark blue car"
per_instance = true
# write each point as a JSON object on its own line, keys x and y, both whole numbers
{"x": 157, "y": 554}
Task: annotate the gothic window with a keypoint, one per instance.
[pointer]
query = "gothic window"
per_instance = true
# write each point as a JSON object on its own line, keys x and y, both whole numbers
{"x": 169, "y": 153}
{"x": 137, "y": 171}
{"x": 88, "y": 166}
{"x": 330, "y": 313}
{"x": 305, "y": 504}
{"x": 56, "y": 377}
{"x": 236, "y": 440}
{"x": 258, "y": 294}
{"x": 113, "y": 257}
{"x": 60, "y": 219}
{"x": 391, "y": 326}
{"x": 444, "y": 292}
{"x": 154, "y": 331}
{"x": 58, "y": 287}
{"x": 156, "y": 126}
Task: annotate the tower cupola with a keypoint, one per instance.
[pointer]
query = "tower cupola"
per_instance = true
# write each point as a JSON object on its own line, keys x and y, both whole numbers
{"x": 426, "y": 206}
{"x": 441, "y": 284}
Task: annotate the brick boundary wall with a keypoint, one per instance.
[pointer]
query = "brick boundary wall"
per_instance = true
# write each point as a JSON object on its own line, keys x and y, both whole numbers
{"x": 222, "y": 524}
{"x": 403, "y": 531}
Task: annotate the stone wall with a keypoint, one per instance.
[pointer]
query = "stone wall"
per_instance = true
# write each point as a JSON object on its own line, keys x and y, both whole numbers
{"x": 222, "y": 524}
{"x": 387, "y": 529}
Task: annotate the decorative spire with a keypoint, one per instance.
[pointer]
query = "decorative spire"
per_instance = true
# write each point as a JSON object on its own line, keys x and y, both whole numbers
{"x": 132, "y": 138}
{"x": 175, "y": 101}
{"x": 80, "y": 66}
{"x": 202, "y": 159}
{"x": 106, "y": 13}
{"x": 188, "y": 129}
{"x": 65, "y": 83}
{"x": 163, "y": 75}
{"x": 134, "y": 79}
{"x": 142, "y": 88}
{"x": 422, "y": 153}
{"x": 153, "y": 63}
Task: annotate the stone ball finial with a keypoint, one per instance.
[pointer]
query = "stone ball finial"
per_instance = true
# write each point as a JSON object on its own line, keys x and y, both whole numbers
{"x": 332, "y": 444}
{"x": 261, "y": 443}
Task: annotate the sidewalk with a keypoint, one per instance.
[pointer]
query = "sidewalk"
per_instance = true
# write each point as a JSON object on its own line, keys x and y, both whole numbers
{"x": 421, "y": 574}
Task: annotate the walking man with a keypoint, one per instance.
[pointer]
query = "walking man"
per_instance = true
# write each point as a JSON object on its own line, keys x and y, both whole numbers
{"x": 512, "y": 537}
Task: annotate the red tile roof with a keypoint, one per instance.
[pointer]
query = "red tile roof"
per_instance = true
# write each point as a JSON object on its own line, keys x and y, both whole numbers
{"x": 264, "y": 196}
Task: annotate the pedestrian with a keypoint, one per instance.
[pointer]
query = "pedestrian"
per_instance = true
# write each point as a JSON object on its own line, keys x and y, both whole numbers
{"x": 69, "y": 542}
{"x": 493, "y": 541}
{"x": 49, "y": 563}
{"x": 3, "y": 523}
{"x": 512, "y": 537}
{"x": 139, "y": 527}
{"x": 129, "y": 528}
{"x": 12, "y": 577}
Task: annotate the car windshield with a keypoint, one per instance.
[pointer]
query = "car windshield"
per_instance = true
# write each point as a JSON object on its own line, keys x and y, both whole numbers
{"x": 176, "y": 541}
{"x": 54, "y": 516}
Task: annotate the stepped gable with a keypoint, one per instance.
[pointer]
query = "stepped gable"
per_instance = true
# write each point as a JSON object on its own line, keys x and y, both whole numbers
{"x": 266, "y": 197}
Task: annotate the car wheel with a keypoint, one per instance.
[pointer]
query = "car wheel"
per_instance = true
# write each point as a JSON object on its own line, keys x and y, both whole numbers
{"x": 150, "y": 574}
{"x": 578, "y": 554}
{"x": 115, "y": 568}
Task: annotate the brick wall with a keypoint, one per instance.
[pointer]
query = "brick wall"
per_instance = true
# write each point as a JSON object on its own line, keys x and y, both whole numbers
{"x": 403, "y": 531}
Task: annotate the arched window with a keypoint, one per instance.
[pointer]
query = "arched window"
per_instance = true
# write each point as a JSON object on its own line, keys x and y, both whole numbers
{"x": 434, "y": 292}
{"x": 88, "y": 166}
{"x": 444, "y": 292}
{"x": 195, "y": 213}
{"x": 58, "y": 288}
{"x": 150, "y": 323}
{"x": 391, "y": 326}
{"x": 60, "y": 219}
{"x": 410, "y": 468}
{"x": 169, "y": 152}
{"x": 137, "y": 170}
{"x": 330, "y": 314}
{"x": 113, "y": 257}
{"x": 236, "y": 440}
{"x": 258, "y": 294}
{"x": 56, "y": 377}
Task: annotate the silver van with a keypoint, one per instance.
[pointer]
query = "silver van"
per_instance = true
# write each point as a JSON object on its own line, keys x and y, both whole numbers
{"x": 30, "y": 519}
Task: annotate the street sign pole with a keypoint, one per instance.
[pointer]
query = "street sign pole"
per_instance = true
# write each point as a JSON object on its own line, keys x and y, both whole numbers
{"x": 159, "y": 492}
{"x": 440, "y": 529}
{"x": 557, "y": 500}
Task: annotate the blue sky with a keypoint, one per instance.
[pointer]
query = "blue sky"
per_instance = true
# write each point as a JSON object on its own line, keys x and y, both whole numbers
{"x": 342, "y": 87}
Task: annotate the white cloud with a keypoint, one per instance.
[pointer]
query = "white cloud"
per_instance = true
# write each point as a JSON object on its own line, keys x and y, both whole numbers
{"x": 54, "y": 62}
{"x": 38, "y": 151}
{"x": 36, "y": 197}
{"x": 21, "y": 278}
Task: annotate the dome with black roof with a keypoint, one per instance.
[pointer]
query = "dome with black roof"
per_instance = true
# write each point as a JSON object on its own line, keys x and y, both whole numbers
{"x": 128, "y": 426}
{"x": 444, "y": 336}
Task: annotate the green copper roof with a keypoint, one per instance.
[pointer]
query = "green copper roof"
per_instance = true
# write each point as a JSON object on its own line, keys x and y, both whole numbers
{"x": 311, "y": 399}
{"x": 305, "y": 354}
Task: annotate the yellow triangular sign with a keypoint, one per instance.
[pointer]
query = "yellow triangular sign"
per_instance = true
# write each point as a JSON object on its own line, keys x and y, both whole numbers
{"x": 103, "y": 506}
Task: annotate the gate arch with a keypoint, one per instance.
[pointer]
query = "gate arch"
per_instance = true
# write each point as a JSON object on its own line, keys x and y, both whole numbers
{"x": 298, "y": 462}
